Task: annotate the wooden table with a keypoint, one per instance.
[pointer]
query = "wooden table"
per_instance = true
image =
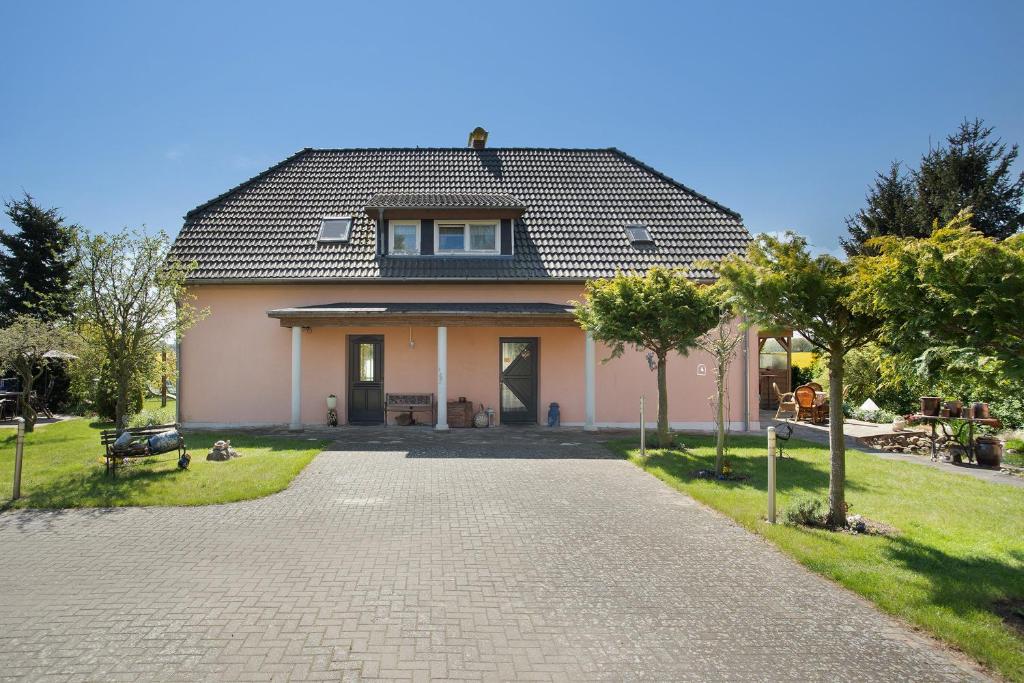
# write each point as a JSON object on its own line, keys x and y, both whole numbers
{"x": 958, "y": 425}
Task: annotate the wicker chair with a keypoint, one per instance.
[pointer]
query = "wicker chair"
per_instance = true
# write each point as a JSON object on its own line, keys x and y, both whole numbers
{"x": 787, "y": 404}
{"x": 807, "y": 407}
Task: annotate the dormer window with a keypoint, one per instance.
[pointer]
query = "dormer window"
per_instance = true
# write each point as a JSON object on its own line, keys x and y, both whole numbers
{"x": 335, "y": 229}
{"x": 467, "y": 237}
{"x": 639, "y": 234}
{"x": 404, "y": 237}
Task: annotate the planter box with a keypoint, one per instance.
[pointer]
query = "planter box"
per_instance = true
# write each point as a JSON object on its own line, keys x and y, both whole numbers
{"x": 460, "y": 413}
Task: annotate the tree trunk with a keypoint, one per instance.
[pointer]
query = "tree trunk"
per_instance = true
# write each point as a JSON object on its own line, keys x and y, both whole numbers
{"x": 720, "y": 419}
{"x": 121, "y": 406}
{"x": 836, "y": 440}
{"x": 163, "y": 377}
{"x": 24, "y": 405}
{"x": 664, "y": 440}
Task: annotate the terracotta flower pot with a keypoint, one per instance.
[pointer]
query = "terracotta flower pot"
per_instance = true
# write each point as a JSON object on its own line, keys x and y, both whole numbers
{"x": 930, "y": 405}
{"x": 954, "y": 408}
{"x": 981, "y": 410}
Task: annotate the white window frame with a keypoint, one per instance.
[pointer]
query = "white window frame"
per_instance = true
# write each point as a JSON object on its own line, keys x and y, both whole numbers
{"x": 466, "y": 251}
{"x": 391, "y": 236}
{"x": 320, "y": 236}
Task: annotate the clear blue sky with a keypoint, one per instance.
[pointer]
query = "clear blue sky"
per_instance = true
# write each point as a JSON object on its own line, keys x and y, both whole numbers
{"x": 133, "y": 113}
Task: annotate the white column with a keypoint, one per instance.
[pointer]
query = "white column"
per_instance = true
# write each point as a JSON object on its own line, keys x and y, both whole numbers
{"x": 296, "y": 422}
{"x": 589, "y": 388}
{"x": 442, "y": 379}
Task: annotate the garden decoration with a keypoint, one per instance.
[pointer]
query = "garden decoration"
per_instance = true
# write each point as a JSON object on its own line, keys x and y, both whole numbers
{"x": 332, "y": 410}
{"x": 222, "y": 451}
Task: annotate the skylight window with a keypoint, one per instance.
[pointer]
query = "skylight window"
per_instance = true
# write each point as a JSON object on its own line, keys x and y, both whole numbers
{"x": 335, "y": 229}
{"x": 639, "y": 234}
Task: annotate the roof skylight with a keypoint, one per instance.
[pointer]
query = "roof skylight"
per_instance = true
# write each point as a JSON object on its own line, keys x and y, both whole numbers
{"x": 335, "y": 229}
{"x": 639, "y": 234}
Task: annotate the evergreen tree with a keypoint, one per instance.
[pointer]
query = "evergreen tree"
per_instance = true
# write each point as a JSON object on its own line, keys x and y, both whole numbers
{"x": 35, "y": 262}
{"x": 973, "y": 170}
{"x": 891, "y": 210}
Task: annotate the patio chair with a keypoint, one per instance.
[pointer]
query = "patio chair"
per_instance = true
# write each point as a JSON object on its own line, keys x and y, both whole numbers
{"x": 808, "y": 406}
{"x": 8, "y": 408}
{"x": 787, "y": 404}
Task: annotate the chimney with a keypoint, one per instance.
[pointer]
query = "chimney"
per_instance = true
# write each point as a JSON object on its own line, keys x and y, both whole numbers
{"x": 478, "y": 138}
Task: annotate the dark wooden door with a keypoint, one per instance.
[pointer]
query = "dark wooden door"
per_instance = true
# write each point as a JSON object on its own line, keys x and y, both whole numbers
{"x": 518, "y": 380}
{"x": 366, "y": 379}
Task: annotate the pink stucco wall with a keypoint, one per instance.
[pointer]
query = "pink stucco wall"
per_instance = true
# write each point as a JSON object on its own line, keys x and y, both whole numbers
{"x": 235, "y": 364}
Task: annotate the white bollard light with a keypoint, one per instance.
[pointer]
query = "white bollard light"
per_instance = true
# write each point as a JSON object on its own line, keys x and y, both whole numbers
{"x": 643, "y": 431}
{"x": 771, "y": 475}
{"x": 19, "y": 451}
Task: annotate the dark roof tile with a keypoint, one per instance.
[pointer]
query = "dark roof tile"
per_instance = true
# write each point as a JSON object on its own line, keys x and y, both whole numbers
{"x": 577, "y": 204}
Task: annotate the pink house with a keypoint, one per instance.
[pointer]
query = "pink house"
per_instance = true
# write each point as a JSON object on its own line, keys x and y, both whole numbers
{"x": 446, "y": 271}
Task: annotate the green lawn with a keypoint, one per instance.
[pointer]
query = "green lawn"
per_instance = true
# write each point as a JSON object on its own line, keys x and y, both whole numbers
{"x": 63, "y": 468}
{"x": 957, "y": 552}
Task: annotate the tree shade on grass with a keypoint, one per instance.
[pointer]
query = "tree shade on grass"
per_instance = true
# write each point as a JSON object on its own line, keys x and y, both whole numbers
{"x": 63, "y": 468}
{"x": 957, "y": 552}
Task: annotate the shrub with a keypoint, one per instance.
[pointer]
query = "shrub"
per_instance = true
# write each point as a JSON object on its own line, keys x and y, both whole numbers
{"x": 806, "y": 511}
{"x": 800, "y": 376}
{"x": 106, "y": 396}
{"x": 152, "y": 416}
{"x": 877, "y": 416}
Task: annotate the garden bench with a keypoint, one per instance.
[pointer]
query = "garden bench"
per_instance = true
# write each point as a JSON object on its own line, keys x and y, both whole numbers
{"x": 109, "y": 436}
{"x": 409, "y": 403}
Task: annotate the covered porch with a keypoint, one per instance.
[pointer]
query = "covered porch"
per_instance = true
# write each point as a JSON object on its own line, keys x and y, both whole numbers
{"x": 511, "y": 330}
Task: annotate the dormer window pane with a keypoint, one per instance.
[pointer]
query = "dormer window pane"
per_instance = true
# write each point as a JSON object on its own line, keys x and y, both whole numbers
{"x": 335, "y": 228}
{"x": 483, "y": 237}
{"x": 405, "y": 238}
{"x": 451, "y": 237}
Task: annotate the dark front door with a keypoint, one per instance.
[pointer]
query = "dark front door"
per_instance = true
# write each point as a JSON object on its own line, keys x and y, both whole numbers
{"x": 366, "y": 379}
{"x": 519, "y": 380}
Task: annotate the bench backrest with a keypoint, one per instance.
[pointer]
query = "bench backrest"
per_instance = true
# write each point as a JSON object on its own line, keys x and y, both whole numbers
{"x": 409, "y": 399}
{"x": 109, "y": 436}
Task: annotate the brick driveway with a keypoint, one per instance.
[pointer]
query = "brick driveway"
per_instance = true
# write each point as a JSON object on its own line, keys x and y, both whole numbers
{"x": 405, "y": 554}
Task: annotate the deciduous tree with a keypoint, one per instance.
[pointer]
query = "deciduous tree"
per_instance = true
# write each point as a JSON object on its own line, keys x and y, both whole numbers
{"x": 779, "y": 284}
{"x": 133, "y": 298}
{"x": 721, "y": 343}
{"x": 662, "y": 311}
{"x": 25, "y": 349}
{"x": 952, "y": 299}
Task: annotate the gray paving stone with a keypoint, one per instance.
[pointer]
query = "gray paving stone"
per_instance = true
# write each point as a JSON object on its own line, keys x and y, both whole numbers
{"x": 408, "y": 555}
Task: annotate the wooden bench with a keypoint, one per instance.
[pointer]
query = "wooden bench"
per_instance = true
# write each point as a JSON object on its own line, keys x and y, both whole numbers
{"x": 109, "y": 436}
{"x": 409, "y": 403}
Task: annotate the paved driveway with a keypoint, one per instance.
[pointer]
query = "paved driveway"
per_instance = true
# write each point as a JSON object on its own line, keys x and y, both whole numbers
{"x": 525, "y": 556}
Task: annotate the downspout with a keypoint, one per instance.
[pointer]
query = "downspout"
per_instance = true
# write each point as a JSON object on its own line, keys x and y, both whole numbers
{"x": 746, "y": 375}
{"x": 177, "y": 373}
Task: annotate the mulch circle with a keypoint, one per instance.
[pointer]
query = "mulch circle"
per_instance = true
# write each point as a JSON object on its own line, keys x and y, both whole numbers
{"x": 710, "y": 474}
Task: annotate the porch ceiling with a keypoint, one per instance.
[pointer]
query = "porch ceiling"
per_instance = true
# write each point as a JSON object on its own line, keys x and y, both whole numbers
{"x": 427, "y": 315}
